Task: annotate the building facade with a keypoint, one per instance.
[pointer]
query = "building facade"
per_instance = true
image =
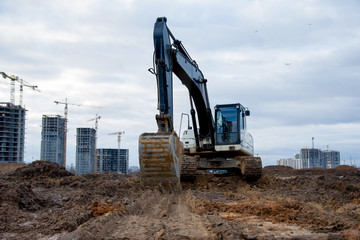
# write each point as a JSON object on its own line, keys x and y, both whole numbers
{"x": 53, "y": 139}
{"x": 112, "y": 160}
{"x": 311, "y": 158}
{"x": 12, "y": 132}
{"x": 332, "y": 158}
{"x": 85, "y": 150}
{"x": 295, "y": 163}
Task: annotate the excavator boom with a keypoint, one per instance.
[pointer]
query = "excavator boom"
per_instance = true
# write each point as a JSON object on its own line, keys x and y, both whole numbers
{"x": 160, "y": 154}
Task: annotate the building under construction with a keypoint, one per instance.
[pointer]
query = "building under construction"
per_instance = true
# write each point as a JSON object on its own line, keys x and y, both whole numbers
{"x": 312, "y": 158}
{"x": 112, "y": 160}
{"x": 85, "y": 150}
{"x": 12, "y": 132}
{"x": 332, "y": 158}
{"x": 52, "y": 139}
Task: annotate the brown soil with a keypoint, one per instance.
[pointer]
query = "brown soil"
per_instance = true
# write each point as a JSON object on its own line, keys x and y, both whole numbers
{"x": 6, "y": 168}
{"x": 44, "y": 201}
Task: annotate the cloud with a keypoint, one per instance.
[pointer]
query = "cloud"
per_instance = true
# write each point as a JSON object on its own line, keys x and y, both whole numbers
{"x": 295, "y": 65}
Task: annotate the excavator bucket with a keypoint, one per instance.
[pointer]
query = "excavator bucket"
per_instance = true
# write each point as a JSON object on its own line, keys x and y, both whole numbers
{"x": 160, "y": 157}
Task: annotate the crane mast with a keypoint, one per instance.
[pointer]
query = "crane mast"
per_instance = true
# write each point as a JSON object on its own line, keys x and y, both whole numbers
{"x": 96, "y": 119}
{"x": 118, "y": 149}
{"x": 66, "y": 110}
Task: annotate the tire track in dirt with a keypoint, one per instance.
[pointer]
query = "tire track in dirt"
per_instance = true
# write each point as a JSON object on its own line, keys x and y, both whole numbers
{"x": 184, "y": 223}
{"x": 163, "y": 216}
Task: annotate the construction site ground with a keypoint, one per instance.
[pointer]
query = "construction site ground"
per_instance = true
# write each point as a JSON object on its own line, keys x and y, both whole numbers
{"x": 44, "y": 201}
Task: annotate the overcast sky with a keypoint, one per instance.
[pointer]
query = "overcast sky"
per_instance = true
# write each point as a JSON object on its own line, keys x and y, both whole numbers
{"x": 294, "y": 64}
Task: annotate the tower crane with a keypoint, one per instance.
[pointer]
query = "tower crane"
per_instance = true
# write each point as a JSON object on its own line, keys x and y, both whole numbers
{"x": 66, "y": 120}
{"x": 96, "y": 119}
{"x": 66, "y": 111}
{"x": 118, "y": 140}
{"x": 23, "y": 84}
{"x": 66, "y": 107}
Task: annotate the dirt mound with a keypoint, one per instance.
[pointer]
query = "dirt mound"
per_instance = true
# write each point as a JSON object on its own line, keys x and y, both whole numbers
{"x": 285, "y": 171}
{"x": 100, "y": 208}
{"x": 275, "y": 169}
{"x": 41, "y": 169}
{"x": 298, "y": 207}
{"x": 346, "y": 168}
{"x": 22, "y": 196}
{"x": 6, "y": 168}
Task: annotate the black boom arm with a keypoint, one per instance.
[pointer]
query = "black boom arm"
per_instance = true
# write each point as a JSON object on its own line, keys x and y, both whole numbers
{"x": 173, "y": 58}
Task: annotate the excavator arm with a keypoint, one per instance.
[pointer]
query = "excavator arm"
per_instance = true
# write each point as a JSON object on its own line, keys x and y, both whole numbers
{"x": 161, "y": 153}
{"x": 173, "y": 58}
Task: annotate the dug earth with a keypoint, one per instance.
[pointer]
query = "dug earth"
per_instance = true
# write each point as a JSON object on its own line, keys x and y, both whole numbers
{"x": 44, "y": 201}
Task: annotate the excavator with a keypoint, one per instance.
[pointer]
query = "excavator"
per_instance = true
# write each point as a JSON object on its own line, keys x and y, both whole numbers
{"x": 213, "y": 144}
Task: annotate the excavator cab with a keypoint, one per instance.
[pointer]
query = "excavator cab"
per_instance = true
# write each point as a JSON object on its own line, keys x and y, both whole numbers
{"x": 228, "y": 121}
{"x": 230, "y": 128}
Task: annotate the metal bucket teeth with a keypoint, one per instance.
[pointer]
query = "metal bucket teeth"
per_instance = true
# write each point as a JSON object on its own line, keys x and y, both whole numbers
{"x": 160, "y": 159}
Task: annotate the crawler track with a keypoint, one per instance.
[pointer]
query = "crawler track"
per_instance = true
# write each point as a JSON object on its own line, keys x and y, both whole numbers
{"x": 251, "y": 167}
{"x": 189, "y": 167}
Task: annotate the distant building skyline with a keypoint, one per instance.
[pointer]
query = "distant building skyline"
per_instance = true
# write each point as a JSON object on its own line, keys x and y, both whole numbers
{"x": 312, "y": 158}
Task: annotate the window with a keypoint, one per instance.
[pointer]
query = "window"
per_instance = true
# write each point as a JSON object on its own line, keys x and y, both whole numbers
{"x": 227, "y": 125}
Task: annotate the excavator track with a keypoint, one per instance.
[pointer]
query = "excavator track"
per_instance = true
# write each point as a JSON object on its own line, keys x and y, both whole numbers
{"x": 248, "y": 166}
{"x": 160, "y": 156}
{"x": 251, "y": 167}
{"x": 189, "y": 167}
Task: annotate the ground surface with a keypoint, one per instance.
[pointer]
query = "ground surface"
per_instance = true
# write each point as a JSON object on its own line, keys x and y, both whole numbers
{"x": 43, "y": 201}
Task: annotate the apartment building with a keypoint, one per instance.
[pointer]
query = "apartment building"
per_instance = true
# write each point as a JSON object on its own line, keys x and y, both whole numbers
{"x": 112, "y": 160}
{"x": 85, "y": 150}
{"x": 12, "y": 132}
{"x": 53, "y": 139}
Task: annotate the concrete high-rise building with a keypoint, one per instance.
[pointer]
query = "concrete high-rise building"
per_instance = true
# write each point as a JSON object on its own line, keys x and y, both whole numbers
{"x": 332, "y": 158}
{"x": 124, "y": 161}
{"x": 109, "y": 160}
{"x": 85, "y": 150}
{"x": 311, "y": 158}
{"x": 52, "y": 139}
{"x": 12, "y": 132}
